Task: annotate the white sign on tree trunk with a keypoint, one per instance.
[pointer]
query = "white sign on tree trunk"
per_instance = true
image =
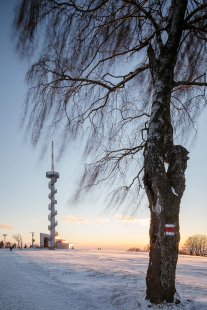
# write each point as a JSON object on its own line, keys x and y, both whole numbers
{"x": 169, "y": 229}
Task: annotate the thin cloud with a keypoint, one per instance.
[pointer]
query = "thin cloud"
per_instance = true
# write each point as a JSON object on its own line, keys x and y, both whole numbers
{"x": 130, "y": 219}
{"x": 125, "y": 219}
{"x": 6, "y": 226}
{"x": 103, "y": 220}
{"x": 74, "y": 219}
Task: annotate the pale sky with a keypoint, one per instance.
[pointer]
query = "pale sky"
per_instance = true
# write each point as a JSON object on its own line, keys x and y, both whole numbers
{"x": 24, "y": 187}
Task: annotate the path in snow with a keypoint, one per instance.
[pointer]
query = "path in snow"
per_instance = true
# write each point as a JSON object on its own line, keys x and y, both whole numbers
{"x": 90, "y": 280}
{"x": 26, "y": 288}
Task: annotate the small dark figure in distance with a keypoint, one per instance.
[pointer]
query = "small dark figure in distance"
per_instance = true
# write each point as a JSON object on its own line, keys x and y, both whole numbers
{"x": 11, "y": 248}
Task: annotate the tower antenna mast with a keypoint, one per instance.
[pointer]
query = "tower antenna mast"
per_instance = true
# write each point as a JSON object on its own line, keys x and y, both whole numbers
{"x": 53, "y": 176}
{"x": 52, "y": 158}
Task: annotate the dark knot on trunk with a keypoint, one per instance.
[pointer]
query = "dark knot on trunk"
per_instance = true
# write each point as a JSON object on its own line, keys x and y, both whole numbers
{"x": 177, "y": 167}
{"x": 179, "y": 157}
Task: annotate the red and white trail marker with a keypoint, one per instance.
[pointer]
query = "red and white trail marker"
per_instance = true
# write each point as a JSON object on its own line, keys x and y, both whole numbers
{"x": 169, "y": 229}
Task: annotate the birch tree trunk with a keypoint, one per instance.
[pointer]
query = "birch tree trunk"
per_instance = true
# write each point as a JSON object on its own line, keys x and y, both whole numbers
{"x": 164, "y": 169}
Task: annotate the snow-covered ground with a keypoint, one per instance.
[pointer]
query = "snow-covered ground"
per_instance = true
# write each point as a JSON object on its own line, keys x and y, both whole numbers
{"x": 91, "y": 280}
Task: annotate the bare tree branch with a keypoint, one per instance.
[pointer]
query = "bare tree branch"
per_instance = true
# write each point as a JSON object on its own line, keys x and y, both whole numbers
{"x": 189, "y": 83}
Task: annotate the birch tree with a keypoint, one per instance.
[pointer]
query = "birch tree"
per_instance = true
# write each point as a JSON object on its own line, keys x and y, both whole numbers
{"x": 18, "y": 238}
{"x": 196, "y": 245}
{"x": 129, "y": 75}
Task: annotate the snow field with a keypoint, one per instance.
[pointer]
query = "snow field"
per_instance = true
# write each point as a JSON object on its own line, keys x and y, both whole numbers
{"x": 91, "y": 280}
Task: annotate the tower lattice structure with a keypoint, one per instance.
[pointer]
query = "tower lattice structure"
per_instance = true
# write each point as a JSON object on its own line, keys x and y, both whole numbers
{"x": 53, "y": 176}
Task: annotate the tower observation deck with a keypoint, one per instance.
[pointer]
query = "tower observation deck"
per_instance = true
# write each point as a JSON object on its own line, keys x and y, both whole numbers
{"x": 53, "y": 176}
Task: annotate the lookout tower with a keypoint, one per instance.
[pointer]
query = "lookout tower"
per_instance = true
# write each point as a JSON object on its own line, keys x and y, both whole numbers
{"x": 53, "y": 176}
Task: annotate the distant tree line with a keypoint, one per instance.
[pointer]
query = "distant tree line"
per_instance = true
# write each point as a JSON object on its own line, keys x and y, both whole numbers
{"x": 195, "y": 245}
{"x": 17, "y": 244}
{"x": 136, "y": 249}
{"x": 6, "y": 245}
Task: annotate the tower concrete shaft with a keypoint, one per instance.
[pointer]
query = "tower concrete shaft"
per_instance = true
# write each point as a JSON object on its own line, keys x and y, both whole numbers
{"x": 53, "y": 176}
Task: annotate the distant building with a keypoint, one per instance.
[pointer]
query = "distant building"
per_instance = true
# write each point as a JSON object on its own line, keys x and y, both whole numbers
{"x": 50, "y": 240}
{"x": 44, "y": 240}
{"x": 53, "y": 176}
{"x": 71, "y": 246}
{"x": 59, "y": 243}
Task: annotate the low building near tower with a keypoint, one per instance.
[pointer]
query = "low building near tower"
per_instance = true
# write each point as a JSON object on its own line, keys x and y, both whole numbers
{"x": 44, "y": 240}
{"x": 59, "y": 243}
